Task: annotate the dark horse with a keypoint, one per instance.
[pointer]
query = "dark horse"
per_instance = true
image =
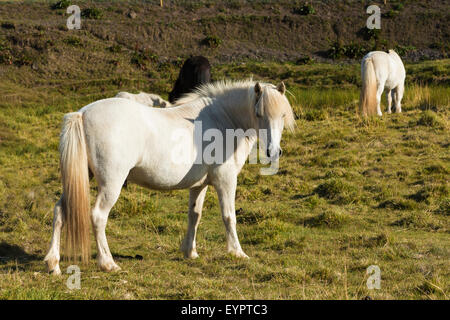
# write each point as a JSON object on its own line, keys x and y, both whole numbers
{"x": 194, "y": 72}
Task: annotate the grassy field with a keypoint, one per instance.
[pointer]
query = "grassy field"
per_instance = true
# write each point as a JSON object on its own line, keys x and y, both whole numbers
{"x": 349, "y": 194}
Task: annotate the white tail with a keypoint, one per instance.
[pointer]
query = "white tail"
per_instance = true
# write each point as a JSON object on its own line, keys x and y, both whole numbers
{"x": 368, "y": 98}
{"x": 75, "y": 181}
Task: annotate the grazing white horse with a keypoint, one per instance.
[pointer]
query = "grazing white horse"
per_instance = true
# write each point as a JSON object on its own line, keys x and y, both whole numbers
{"x": 380, "y": 70}
{"x": 149, "y": 99}
{"x": 117, "y": 139}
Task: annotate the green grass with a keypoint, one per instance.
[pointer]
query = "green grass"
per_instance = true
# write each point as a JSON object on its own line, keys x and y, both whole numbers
{"x": 350, "y": 193}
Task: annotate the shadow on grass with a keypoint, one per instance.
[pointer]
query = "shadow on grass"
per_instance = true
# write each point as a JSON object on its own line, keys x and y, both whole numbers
{"x": 13, "y": 257}
{"x": 124, "y": 257}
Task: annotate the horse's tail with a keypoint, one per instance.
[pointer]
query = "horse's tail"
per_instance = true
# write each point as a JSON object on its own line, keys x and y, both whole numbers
{"x": 75, "y": 181}
{"x": 368, "y": 97}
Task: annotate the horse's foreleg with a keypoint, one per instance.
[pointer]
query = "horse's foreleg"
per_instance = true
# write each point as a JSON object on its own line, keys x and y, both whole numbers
{"x": 52, "y": 257}
{"x": 196, "y": 198}
{"x": 106, "y": 199}
{"x": 227, "y": 193}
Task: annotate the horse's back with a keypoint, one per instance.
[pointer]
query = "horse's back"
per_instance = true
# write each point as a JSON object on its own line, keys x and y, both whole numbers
{"x": 388, "y": 68}
{"x": 120, "y": 128}
{"x": 127, "y": 138}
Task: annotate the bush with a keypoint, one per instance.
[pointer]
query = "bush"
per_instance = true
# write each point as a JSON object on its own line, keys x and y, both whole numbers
{"x": 304, "y": 10}
{"x": 212, "y": 41}
{"x": 390, "y": 14}
{"x": 304, "y": 60}
{"x": 91, "y": 13}
{"x": 73, "y": 41}
{"x": 369, "y": 34}
{"x": 402, "y": 50}
{"x": 351, "y": 51}
{"x": 63, "y": 4}
{"x": 8, "y": 25}
{"x": 397, "y": 6}
{"x": 116, "y": 48}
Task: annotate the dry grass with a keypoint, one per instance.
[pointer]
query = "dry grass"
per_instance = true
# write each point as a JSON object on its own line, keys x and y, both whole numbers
{"x": 350, "y": 192}
{"x": 348, "y": 195}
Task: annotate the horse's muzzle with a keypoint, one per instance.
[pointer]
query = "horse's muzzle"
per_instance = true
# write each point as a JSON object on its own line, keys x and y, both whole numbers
{"x": 280, "y": 152}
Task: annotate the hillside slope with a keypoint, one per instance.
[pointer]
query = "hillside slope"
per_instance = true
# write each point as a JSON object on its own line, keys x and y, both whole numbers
{"x": 128, "y": 35}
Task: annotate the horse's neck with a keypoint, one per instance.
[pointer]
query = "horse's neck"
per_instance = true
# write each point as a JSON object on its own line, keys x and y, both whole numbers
{"x": 232, "y": 111}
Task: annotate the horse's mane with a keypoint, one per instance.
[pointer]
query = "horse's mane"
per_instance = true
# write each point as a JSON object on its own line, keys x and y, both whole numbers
{"x": 214, "y": 89}
{"x": 274, "y": 102}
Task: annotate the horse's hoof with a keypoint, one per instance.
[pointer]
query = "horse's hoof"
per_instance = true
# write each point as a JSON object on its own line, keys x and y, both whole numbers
{"x": 239, "y": 254}
{"x": 109, "y": 267}
{"x": 55, "y": 271}
{"x": 191, "y": 255}
{"x": 52, "y": 265}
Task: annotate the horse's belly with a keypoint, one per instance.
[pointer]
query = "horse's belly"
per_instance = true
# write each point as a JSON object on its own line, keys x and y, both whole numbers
{"x": 166, "y": 179}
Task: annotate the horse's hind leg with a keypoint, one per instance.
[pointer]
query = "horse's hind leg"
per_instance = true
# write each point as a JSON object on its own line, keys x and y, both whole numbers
{"x": 399, "y": 91}
{"x": 389, "y": 96}
{"x": 196, "y": 198}
{"x": 52, "y": 257}
{"x": 380, "y": 90}
{"x": 106, "y": 198}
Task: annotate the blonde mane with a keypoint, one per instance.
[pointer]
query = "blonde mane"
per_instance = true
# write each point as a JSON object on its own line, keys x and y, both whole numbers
{"x": 226, "y": 93}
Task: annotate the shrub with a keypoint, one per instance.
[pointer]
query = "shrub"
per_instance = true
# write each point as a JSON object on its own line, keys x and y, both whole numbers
{"x": 91, "y": 13}
{"x": 390, "y": 14}
{"x": 212, "y": 41}
{"x": 402, "y": 50}
{"x": 63, "y": 4}
{"x": 304, "y": 10}
{"x": 6, "y": 57}
{"x": 304, "y": 60}
{"x": 8, "y": 25}
{"x": 369, "y": 34}
{"x": 73, "y": 41}
{"x": 116, "y": 48}
{"x": 352, "y": 50}
{"x": 397, "y": 6}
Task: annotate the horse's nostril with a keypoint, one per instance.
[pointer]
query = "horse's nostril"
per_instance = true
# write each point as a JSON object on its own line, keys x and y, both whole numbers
{"x": 268, "y": 153}
{"x": 280, "y": 152}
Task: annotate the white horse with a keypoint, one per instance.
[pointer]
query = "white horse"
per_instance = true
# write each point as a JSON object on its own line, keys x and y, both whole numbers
{"x": 380, "y": 70}
{"x": 149, "y": 99}
{"x": 117, "y": 139}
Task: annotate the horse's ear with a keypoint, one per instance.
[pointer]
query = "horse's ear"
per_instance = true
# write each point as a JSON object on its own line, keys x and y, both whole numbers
{"x": 281, "y": 87}
{"x": 258, "y": 89}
